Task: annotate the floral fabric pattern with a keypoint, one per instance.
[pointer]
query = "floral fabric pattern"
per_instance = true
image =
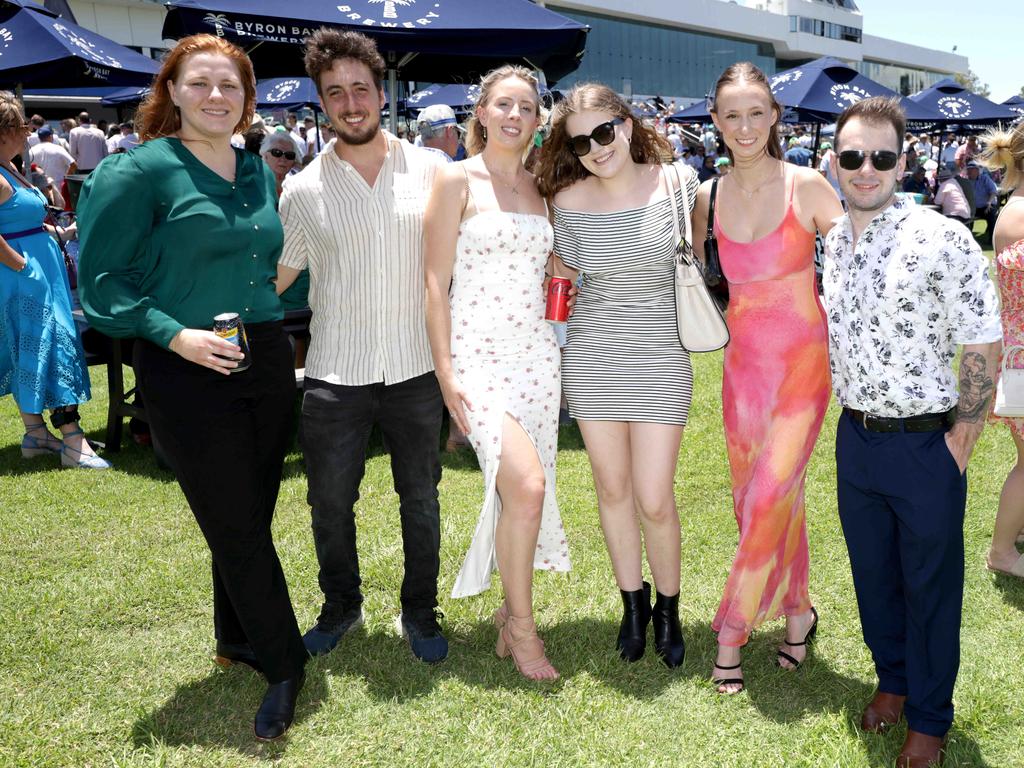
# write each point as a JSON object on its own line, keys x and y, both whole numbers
{"x": 1010, "y": 276}
{"x": 915, "y": 286}
{"x": 505, "y": 355}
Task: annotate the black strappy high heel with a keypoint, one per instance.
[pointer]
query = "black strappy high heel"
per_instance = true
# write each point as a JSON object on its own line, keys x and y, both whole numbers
{"x": 807, "y": 639}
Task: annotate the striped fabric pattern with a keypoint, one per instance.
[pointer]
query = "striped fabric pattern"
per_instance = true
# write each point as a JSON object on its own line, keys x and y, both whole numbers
{"x": 623, "y": 360}
{"x": 363, "y": 246}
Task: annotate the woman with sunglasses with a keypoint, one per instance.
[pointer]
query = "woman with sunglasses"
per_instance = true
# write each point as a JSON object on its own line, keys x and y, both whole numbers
{"x": 775, "y": 384}
{"x": 278, "y": 152}
{"x": 627, "y": 378}
{"x": 180, "y": 229}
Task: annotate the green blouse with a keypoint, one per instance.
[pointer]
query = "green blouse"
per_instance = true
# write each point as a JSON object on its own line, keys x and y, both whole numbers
{"x": 165, "y": 243}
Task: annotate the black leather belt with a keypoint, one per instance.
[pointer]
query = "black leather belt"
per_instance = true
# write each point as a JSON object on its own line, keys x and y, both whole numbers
{"x": 926, "y": 422}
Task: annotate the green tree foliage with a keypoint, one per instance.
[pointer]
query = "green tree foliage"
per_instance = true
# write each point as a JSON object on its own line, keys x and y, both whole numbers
{"x": 973, "y": 83}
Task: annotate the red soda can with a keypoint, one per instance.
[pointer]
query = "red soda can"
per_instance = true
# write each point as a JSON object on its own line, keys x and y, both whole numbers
{"x": 557, "y": 309}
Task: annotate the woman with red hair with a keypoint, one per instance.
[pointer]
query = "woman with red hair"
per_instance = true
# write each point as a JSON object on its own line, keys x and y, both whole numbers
{"x": 173, "y": 232}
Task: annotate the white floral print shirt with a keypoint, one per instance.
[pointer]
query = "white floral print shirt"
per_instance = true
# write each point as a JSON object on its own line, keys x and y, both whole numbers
{"x": 915, "y": 286}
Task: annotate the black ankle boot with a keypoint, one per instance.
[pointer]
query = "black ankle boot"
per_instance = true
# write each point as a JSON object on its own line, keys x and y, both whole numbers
{"x": 636, "y": 615}
{"x": 668, "y": 634}
{"x": 277, "y": 711}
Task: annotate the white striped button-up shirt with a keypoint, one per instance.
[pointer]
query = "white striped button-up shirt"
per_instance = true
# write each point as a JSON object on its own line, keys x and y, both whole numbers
{"x": 363, "y": 246}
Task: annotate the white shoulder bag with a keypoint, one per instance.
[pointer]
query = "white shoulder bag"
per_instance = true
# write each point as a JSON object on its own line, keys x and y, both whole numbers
{"x": 1010, "y": 389}
{"x": 700, "y": 322}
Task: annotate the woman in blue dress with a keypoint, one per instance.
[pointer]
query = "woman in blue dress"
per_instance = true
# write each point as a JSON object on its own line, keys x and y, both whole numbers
{"x": 42, "y": 363}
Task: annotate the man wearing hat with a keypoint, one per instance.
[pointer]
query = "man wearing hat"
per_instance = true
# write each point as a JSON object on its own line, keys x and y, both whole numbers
{"x": 55, "y": 161}
{"x": 986, "y": 198}
{"x": 951, "y": 198}
{"x": 917, "y": 183}
{"x": 798, "y": 154}
{"x": 439, "y": 130}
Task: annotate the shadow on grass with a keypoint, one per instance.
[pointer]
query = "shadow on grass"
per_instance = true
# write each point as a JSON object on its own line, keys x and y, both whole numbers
{"x": 218, "y": 712}
{"x": 1012, "y": 589}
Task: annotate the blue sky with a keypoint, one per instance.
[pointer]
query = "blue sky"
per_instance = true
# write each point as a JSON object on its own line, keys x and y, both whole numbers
{"x": 990, "y": 33}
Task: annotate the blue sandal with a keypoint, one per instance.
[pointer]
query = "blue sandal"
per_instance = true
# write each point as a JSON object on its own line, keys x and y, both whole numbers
{"x": 83, "y": 461}
{"x": 32, "y": 446}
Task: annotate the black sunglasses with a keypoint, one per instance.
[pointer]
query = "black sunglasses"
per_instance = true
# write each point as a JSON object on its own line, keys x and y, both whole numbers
{"x": 603, "y": 135}
{"x": 281, "y": 153}
{"x": 881, "y": 159}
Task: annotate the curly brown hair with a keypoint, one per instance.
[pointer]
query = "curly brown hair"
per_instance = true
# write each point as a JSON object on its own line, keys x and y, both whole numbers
{"x": 744, "y": 71}
{"x": 326, "y": 45}
{"x": 560, "y": 168}
{"x": 158, "y": 116}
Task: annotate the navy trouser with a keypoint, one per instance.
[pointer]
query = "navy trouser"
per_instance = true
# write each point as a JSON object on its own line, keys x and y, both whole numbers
{"x": 336, "y": 425}
{"x": 901, "y": 503}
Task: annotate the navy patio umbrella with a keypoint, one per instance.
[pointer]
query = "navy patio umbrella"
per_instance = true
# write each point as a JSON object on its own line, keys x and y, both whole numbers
{"x": 1016, "y": 103}
{"x": 40, "y": 50}
{"x": 125, "y": 96}
{"x": 956, "y": 104}
{"x": 428, "y": 41}
{"x": 458, "y": 96}
{"x": 287, "y": 93}
{"x": 819, "y": 91}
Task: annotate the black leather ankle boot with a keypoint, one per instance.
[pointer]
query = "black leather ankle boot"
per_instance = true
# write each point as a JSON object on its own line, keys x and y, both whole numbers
{"x": 277, "y": 711}
{"x": 636, "y": 615}
{"x": 668, "y": 634}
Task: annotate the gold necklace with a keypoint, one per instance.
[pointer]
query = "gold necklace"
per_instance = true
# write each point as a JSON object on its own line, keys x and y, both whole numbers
{"x": 493, "y": 175}
{"x": 750, "y": 193}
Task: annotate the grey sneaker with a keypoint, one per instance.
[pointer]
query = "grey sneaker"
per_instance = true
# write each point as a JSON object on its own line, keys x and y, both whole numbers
{"x": 421, "y": 629}
{"x": 331, "y": 626}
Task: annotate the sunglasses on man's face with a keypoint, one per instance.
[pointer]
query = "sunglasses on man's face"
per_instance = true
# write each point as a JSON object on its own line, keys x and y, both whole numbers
{"x": 281, "y": 153}
{"x": 604, "y": 134}
{"x": 881, "y": 159}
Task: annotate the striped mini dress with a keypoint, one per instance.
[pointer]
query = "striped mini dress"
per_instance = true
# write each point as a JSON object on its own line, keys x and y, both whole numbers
{"x": 623, "y": 360}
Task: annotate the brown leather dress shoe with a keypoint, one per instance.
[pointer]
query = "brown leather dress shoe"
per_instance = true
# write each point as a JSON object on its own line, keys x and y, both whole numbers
{"x": 921, "y": 751}
{"x": 884, "y": 710}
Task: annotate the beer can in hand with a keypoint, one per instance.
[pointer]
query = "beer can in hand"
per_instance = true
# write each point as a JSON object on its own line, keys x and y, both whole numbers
{"x": 557, "y": 309}
{"x": 229, "y": 327}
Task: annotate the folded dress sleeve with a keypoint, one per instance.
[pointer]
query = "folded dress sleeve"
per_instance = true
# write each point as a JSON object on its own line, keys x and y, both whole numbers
{"x": 116, "y": 211}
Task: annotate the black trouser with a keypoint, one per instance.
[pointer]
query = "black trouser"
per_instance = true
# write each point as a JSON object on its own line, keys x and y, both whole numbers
{"x": 336, "y": 425}
{"x": 225, "y": 437}
{"x": 989, "y": 214}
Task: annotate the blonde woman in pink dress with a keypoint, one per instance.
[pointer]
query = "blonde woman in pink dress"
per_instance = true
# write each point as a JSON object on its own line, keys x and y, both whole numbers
{"x": 487, "y": 244}
{"x": 775, "y": 386}
{"x": 1005, "y": 149}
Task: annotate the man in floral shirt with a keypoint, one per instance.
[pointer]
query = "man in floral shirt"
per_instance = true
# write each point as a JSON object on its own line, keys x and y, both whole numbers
{"x": 903, "y": 287}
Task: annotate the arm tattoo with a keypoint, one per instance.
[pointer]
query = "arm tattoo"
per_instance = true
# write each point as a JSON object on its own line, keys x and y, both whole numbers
{"x": 976, "y": 387}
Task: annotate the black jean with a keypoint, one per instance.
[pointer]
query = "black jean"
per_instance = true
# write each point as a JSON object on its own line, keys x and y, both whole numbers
{"x": 336, "y": 425}
{"x": 225, "y": 437}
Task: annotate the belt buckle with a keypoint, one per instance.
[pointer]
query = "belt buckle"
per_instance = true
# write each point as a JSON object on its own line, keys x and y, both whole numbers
{"x": 864, "y": 419}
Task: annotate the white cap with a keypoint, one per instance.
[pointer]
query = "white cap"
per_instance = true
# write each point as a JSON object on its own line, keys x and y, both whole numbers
{"x": 438, "y": 116}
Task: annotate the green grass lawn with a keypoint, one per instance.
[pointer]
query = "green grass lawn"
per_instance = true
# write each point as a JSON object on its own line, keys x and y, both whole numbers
{"x": 106, "y": 639}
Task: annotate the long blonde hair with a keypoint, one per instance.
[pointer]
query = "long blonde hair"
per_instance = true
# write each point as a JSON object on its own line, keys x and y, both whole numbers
{"x": 476, "y": 139}
{"x": 1005, "y": 149}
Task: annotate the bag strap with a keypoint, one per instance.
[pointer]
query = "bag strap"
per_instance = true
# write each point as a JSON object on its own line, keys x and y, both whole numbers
{"x": 684, "y": 238}
{"x": 711, "y": 209}
{"x": 672, "y": 202}
{"x": 1009, "y": 353}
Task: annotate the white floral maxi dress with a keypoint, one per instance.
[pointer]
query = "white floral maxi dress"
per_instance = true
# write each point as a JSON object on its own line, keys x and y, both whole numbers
{"x": 505, "y": 355}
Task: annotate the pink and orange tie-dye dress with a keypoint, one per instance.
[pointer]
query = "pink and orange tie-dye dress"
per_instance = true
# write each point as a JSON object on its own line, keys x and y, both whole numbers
{"x": 775, "y": 391}
{"x": 1010, "y": 275}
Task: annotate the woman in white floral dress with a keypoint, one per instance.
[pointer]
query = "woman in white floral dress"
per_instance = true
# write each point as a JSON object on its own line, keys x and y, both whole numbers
{"x": 487, "y": 241}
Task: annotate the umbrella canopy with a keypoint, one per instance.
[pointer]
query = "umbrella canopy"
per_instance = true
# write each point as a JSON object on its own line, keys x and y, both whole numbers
{"x": 824, "y": 88}
{"x": 958, "y": 105}
{"x": 125, "y": 96}
{"x": 436, "y": 41}
{"x": 40, "y": 50}
{"x": 287, "y": 93}
{"x": 817, "y": 92}
{"x": 458, "y": 96}
{"x": 1016, "y": 103}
